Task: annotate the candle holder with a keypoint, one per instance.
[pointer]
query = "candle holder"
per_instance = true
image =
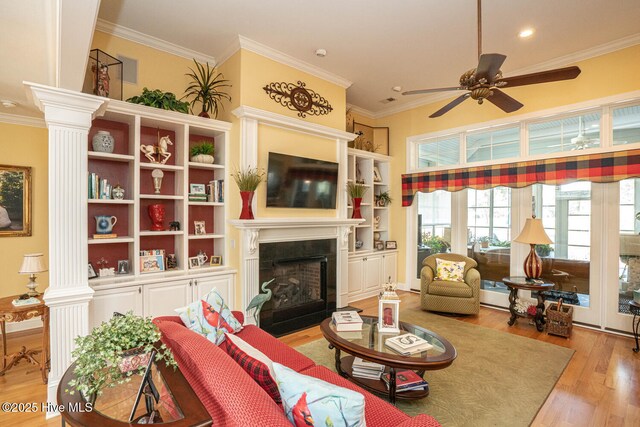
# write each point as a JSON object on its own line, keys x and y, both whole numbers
{"x": 157, "y": 176}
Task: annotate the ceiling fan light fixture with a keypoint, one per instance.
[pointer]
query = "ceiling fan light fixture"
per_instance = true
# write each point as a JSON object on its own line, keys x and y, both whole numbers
{"x": 526, "y": 32}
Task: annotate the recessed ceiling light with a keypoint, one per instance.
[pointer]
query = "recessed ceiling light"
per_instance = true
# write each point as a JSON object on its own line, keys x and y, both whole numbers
{"x": 527, "y": 32}
{"x": 321, "y": 53}
{"x": 397, "y": 88}
{"x": 6, "y": 103}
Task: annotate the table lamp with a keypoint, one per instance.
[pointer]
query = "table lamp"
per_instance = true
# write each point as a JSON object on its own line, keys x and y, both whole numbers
{"x": 533, "y": 233}
{"x": 32, "y": 264}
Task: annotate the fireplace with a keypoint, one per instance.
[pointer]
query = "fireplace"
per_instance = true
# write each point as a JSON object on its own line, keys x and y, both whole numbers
{"x": 303, "y": 287}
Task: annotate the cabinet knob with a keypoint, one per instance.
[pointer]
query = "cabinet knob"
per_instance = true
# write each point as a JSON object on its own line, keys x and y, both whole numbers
{"x": 190, "y": 283}
{"x": 139, "y": 289}
{"x": 196, "y": 282}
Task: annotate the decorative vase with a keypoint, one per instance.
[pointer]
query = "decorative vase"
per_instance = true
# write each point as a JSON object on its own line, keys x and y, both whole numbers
{"x": 247, "y": 211}
{"x": 357, "y": 201}
{"x": 103, "y": 142}
{"x": 203, "y": 158}
{"x": 157, "y": 213}
{"x": 105, "y": 223}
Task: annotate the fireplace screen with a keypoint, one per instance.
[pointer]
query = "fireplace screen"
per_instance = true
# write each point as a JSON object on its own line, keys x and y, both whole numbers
{"x": 298, "y": 282}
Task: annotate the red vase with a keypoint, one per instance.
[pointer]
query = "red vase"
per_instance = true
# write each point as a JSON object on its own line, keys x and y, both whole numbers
{"x": 157, "y": 214}
{"x": 357, "y": 201}
{"x": 247, "y": 212}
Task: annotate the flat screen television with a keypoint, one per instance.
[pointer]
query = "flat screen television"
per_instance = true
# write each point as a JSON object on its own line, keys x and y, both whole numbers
{"x": 299, "y": 182}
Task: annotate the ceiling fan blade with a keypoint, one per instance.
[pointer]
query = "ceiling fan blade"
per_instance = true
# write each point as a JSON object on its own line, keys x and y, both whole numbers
{"x": 504, "y": 101}
{"x": 450, "y": 105}
{"x": 439, "y": 89}
{"x": 558, "y": 74}
{"x": 489, "y": 65}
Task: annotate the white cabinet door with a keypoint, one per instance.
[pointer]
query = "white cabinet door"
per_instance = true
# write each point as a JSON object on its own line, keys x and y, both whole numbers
{"x": 224, "y": 285}
{"x": 355, "y": 275}
{"x": 390, "y": 267}
{"x": 162, "y": 299}
{"x": 122, "y": 300}
{"x": 372, "y": 267}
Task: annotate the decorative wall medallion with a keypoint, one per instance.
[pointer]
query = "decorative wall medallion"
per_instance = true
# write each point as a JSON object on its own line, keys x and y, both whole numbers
{"x": 298, "y": 98}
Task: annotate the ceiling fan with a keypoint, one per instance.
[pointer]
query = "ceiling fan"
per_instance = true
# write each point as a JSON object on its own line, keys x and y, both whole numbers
{"x": 483, "y": 81}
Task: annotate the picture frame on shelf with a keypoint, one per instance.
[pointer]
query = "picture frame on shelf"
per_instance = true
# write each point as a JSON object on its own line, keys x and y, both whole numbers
{"x": 92, "y": 272}
{"x": 379, "y": 244}
{"x": 199, "y": 228}
{"x": 15, "y": 193}
{"x": 391, "y": 244}
{"x": 194, "y": 262}
{"x": 123, "y": 266}
{"x": 377, "y": 176}
{"x": 151, "y": 263}
{"x": 197, "y": 189}
{"x": 215, "y": 261}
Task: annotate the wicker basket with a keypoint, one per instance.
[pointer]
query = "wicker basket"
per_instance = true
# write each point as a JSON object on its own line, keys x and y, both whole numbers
{"x": 560, "y": 319}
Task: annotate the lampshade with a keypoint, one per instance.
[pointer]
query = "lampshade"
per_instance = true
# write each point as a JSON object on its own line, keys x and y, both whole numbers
{"x": 32, "y": 263}
{"x": 533, "y": 233}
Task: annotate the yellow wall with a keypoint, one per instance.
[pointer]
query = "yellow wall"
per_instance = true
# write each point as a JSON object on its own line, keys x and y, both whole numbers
{"x": 25, "y": 146}
{"x": 601, "y": 76}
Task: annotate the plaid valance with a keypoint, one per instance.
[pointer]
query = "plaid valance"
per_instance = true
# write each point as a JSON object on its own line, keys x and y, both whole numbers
{"x": 601, "y": 167}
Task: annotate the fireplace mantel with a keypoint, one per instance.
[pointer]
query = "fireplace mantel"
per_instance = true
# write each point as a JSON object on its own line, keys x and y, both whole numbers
{"x": 293, "y": 223}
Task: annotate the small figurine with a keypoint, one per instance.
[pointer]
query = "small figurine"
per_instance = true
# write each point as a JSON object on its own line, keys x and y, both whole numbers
{"x": 161, "y": 150}
{"x": 174, "y": 226}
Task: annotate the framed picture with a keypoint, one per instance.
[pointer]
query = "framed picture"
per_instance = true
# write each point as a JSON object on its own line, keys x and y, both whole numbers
{"x": 197, "y": 189}
{"x": 92, "y": 272}
{"x": 215, "y": 260}
{"x": 199, "y": 227}
{"x": 151, "y": 263}
{"x": 379, "y": 245}
{"x": 391, "y": 244}
{"x": 123, "y": 266}
{"x": 15, "y": 201}
{"x": 194, "y": 262}
{"x": 377, "y": 177}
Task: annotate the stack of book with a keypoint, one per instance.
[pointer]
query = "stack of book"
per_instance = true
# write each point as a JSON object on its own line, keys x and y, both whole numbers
{"x": 216, "y": 190}
{"x": 365, "y": 369}
{"x": 408, "y": 344}
{"x": 347, "y": 321}
{"x": 98, "y": 188}
{"x": 197, "y": 197}
{"x": 406, "y": 381}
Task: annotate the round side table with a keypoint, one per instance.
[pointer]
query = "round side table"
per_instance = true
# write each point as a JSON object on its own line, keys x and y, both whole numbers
{"x": 634, "y": 308}
{"x": 515, "y": 283}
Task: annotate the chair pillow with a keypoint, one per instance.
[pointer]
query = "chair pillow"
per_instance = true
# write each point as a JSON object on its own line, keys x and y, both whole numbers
{"x": 210, "y": 317}
{"x": 311, "y": 401}
{"x": 255, "y": 363}
{"x": 450, "y": 271}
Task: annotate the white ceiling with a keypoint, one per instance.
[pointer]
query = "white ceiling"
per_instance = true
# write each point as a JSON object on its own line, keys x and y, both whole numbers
{"x": 376, "y": 44}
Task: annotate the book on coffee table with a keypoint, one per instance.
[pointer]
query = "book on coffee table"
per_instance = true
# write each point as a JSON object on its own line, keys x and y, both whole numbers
{"x": 365, "y": 369}
{"x": 406, "y": 381}
{"x": 347, "y": 321}
{"x": 408, "y": 344}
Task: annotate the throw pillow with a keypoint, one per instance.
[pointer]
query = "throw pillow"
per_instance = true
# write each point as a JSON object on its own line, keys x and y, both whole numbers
{"x": 209, "y": 317}
{"x": 255, "y": 363}
{"x": 308, "y": 401}
{"x": 451, "y": 271}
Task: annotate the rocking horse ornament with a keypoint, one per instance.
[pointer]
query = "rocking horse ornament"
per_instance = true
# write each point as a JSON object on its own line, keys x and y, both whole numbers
{"x": 161, "y": 150}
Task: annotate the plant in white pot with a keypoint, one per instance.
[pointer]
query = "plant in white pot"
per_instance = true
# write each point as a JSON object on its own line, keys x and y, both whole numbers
{"x": 202, "y": 152}
{"x": 103, "y": 358}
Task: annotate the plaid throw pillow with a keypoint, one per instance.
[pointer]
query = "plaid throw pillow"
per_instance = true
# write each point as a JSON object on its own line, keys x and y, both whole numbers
{"x": 255, "y": 363}
{"x": 450, "y": 271}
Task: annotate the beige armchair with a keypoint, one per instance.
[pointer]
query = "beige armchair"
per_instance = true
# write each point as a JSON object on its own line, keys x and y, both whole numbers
{"x": 450, "y": 297}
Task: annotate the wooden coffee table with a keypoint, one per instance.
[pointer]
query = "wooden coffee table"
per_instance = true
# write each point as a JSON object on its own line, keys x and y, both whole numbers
{"x": 369, "y": 345}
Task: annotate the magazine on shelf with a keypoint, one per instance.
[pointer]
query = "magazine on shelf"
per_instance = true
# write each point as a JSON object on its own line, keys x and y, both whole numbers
{"x": 347, "y": 321}
{"x": 406, "y": 381}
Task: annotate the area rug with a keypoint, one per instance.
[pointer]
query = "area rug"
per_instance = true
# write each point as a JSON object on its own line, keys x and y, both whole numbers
{"x": 498, "y": 379}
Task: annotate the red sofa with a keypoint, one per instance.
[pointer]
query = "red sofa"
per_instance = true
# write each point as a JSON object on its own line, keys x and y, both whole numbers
{"x": 231, "y": 396}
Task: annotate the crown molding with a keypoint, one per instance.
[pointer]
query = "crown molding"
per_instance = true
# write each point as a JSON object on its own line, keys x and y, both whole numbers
{"x": 361, "y": 111}
{"x": 152, "y": 42}
{"x": 561, "y": 61}
{"x": 14, "y": 119}
{"x": 229, "y": 51}
{"x": 292, "y": 62}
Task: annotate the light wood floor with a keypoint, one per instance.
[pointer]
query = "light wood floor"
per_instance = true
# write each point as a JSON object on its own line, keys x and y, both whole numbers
{"x": 600, "y": 386}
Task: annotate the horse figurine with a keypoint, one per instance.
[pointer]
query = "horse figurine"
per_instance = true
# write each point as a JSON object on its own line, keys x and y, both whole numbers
{"x": 160, "y": 149}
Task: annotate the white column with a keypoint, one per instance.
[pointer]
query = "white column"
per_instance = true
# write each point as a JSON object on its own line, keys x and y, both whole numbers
{"x": 68, "y": 116}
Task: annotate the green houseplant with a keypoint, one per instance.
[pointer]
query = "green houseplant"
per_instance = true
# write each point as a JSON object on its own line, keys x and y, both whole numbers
{"x": 247, "y": 181}
{"x": 356, "y": 191}
{"x": 98, "y": 355}
{"x": 383, "y": 199}
{"x": 202, "y": 152}
{"x": 437, "y": 244}
{"x": 205, "y": 87}
{"x": 158, "y": 99}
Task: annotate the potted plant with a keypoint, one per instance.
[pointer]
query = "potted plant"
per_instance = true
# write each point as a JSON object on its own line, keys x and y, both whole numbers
{"x": 247, "y": 181}
{"x": 436, "y": 244}
{"x": 101, "y": 358}
{"x": 158, "y": 99}
{"x": 544, "y": 250}
{"x": 484, "y": 241}
{"x": 202, "y": 152}
{"x": 356, "y": 192}
{"x": 205, "y": 88}
{"x": 383, "y": 199}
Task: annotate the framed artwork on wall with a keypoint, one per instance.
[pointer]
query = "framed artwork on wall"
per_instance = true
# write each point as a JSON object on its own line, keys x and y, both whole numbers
{"x": 15, "y": 201}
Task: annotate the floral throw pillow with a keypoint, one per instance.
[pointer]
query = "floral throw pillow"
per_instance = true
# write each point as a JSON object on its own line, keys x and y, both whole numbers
{"x": 451, "y": 271}
{"x": 210, "y": 317}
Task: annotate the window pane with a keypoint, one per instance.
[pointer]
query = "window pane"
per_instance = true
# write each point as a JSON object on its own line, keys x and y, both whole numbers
{"x": 626, "y": 125}
{"x": 434, "y": 224}
{"x": 498, "y": 144}
{"x": 569, "y": 134}
{"x": 629, "y": 262}
{"x": 439, "y": 152}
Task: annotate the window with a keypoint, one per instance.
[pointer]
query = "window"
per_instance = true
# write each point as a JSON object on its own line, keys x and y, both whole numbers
{"x": 439, "y": 152}
{"x": 569, "y": 134}
{"x": 629, "y": 261}
{"x": 497, "y": 144}
{"x": 626, "y": 125}
{"x": 434, "y": 224}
